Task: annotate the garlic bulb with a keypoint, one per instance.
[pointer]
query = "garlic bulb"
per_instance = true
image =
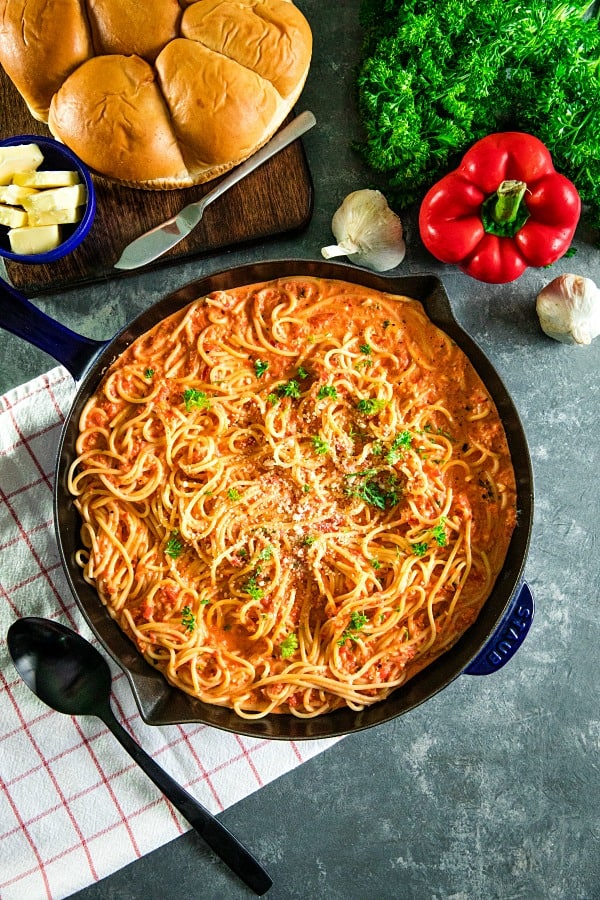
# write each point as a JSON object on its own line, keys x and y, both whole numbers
{"x": 569, "y": 309}
{"x": 367, "y": 230}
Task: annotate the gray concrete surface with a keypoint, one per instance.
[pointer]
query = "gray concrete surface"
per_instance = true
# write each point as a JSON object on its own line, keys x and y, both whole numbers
{"x": 492, "y": 788}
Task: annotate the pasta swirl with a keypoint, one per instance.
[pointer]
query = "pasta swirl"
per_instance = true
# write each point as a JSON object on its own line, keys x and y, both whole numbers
{"x": 294, "y": 495}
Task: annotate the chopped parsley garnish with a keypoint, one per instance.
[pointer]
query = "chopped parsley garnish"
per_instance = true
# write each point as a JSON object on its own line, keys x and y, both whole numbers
{"x": 290, "y": 389}
{"x": 357, "y": 623}
{"x": 375, "y": 563}
{"x": 366, "y": 349}
{"x": 288, "y": 646}
{"x": 326, "y": 390}
{"x": 260, "y": 367}
{"x": 174, "y": 545}
{"x": 266, "y": 553}
{"x": 272, "y": 398}
{"x": 429, "y": 430}
{"x": 400, "y": 443}
{"x": 420, "y": 549}
{"x": 306, "y": 488}
{"x": 363, "y": 473}
{"x": 309, "y": 540}
{"x": 148, "y": 373}
{"x": 320, "y": 445}
{"x": 195, "y": 399}
{"x": 233, "y": 494}
{"x": 439, "y": 534}
{"x": 302, "y": 373}
{"x": 188, "y": 619}
{"x": 370, "y": 406}
{"x": 252, "y": 589}
{"x": 377, "y": 488}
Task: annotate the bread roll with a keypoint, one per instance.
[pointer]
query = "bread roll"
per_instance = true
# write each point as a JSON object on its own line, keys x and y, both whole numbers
{"x": 111, "y": 106}
{"x": 268, "y": 38}
{"x": 116, "y": 27}
{"x": 40, "y": 45}
{"x": 199, "y": 84}
{"x": 157, "y": 93}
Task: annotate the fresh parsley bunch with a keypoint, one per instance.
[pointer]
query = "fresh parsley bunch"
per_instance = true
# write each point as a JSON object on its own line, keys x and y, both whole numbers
{"x": 438, "y": 75}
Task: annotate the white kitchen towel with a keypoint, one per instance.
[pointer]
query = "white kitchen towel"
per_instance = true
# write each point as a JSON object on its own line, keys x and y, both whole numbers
{"x": 73, "y": 805}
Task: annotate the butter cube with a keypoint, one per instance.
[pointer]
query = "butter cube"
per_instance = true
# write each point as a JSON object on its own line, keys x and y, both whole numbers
{"x": 12, "y": 216}
{"x": 55, "y": 216}
{"x": 26, "y": 241}
{"x": 46, "y": 179}
{"x": 18, "y": 158}
{"x": 58, "y": 198}
{"x": 14, "y": 194}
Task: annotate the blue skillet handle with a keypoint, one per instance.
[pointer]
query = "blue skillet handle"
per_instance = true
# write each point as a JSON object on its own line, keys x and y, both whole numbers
{"x": 508, "y": 636}
{"x": 19, "y": 316}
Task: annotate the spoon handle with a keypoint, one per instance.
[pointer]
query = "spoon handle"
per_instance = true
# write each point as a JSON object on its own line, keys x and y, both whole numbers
{"x": 216, "y": 835}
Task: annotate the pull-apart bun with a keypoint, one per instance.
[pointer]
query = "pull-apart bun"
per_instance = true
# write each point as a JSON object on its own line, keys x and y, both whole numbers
{"x": 157, "y": 93}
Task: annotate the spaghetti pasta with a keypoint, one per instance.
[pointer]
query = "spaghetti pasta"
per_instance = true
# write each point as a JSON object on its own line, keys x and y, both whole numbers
{"x": 294, "y": 495}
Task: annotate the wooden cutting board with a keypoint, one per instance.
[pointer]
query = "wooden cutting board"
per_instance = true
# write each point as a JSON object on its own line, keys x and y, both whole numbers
{"x": 277, "y": 198}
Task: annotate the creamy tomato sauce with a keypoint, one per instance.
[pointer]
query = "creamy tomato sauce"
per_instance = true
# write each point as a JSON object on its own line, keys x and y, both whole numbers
{"x": 294, "y": 495}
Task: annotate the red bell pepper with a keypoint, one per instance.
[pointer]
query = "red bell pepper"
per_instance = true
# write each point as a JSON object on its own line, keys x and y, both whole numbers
{"x": 503, "y": 209}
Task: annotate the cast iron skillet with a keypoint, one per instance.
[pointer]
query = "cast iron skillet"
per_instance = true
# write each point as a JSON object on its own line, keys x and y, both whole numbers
{"x": 488, "y": 643}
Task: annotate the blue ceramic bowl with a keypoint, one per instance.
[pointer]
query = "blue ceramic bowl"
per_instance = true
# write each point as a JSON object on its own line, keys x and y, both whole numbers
{"x": 56, "y": 156}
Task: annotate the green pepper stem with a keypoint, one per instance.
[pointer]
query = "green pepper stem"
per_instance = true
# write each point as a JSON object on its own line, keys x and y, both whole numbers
{"x": 509, "y": 196}
{"x": 504, "y": 213}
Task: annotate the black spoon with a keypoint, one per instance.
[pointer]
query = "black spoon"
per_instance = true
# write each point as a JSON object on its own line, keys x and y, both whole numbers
{"x": 71, "y": 676}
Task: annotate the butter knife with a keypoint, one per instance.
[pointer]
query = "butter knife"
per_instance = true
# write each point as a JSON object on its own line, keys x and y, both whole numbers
{"x": 158, "y": 240}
